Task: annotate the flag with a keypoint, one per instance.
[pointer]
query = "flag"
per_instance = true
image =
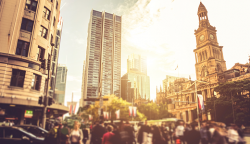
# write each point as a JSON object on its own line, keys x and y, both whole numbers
{"x": 134, "y": 111}
{"x": 117, "y": 114}
{"x": 176, "y": 67}
{"x": 201, "y": 102}
{"x": 130, "y": 110}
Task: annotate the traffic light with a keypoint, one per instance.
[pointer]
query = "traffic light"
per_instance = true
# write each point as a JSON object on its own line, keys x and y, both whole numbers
{"x": 50, "y": 101}
{"x": 171, "y": 101}
{"x": 40, "y": 101}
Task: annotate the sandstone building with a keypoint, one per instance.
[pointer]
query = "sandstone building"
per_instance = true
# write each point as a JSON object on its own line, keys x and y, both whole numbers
{"x": 27, "y": 31}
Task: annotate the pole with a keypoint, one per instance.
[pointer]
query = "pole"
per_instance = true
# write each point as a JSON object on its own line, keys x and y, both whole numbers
{"x": 232, "y": 108}
{"x": 132, "y": 109}
{"x": 197, "y": 106}
{"x": 214, "y": 111}
{"x": 72, "y": 104}
{"x": 47, "y": 88}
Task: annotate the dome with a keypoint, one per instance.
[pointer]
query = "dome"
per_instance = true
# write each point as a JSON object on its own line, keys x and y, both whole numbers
{"x": 201, "y": 8}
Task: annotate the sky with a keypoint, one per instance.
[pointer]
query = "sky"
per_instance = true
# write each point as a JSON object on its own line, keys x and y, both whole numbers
{"x": 161, "y": 30}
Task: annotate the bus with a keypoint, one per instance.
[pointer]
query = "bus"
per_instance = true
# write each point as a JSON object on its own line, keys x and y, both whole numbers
{"x": 166, "y": 121}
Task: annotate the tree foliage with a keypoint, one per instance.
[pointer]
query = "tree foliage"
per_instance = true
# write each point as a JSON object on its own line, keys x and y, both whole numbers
{"x": 232, "y": 97}
{"x": 112, "y": 107}
{"x": 153, "y": 111}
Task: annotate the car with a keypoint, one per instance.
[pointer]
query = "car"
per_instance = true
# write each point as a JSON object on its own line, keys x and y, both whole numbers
{"x": 35, "y": 130}
{"x": 17, "y": 135}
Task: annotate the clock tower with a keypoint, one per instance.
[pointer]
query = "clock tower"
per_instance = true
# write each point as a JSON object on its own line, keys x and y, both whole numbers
{"x": 209, "y": 58}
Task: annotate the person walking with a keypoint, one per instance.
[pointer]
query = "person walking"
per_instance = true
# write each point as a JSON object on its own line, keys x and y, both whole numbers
{"x": 51, "y": 137}
{"x": 98, "y": 132}
{"x": 232, "y": 135}
{"x": 204, "y": 134}
{"x": 179, "y": 132}
{"x": 76, "y": 134}
{"x": 193, "y": 136}
{"x": 65, "y": 131}
{"x": 157, "y": 136}
{"x": 108, "y": 137}
{"x": 130, "y": 131}
{"x": 85, "y": 134}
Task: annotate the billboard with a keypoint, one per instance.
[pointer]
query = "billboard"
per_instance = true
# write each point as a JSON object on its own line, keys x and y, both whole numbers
{"x": 72, "y": 107}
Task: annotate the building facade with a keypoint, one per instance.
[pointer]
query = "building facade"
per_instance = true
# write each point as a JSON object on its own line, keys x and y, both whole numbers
{"x": 137, "y": 62}
{"x": 61, "y": 77}
{"x": 54, "y": 60}
{"x": 210, "y": 69}
{"x": 27, "y": 30}
{"x": 103, "y": 56}
{"x": 136, "y": 79}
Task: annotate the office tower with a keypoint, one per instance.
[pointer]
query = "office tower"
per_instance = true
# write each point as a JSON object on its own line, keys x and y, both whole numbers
{"x": 54, "y": 60}
{"x": 61, "y": 77}
{"x": 27, "y": 28}
{"x": 103, "y": 55}
{"x": 137, "y": 62}
{"x": 136, "y": 78}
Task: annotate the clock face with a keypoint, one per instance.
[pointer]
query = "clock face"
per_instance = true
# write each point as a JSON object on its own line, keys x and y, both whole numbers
{"x": 211, "y": 36}
{"x": 202, "y": 37}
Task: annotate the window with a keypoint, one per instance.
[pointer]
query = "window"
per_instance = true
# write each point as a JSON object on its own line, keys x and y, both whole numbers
{"x": 31, "y": 5}
{"x": 17, "y": 78}
{"x": 53, "y": 68}
{"x": 43, "y": 32}
{"x": 46, "y": 13}
{"x": 13, "y": 133}
{"x": 27, "y": 25}
{"x": 35, "y": 83}
{"x": 22, "y": 48}
{"x": 55, "y": 55}
{"x": 40, "y": 54}
{"x": 51, "y": 39}
{"x": 54, "y": 22}
{"x": 56, "y": 4}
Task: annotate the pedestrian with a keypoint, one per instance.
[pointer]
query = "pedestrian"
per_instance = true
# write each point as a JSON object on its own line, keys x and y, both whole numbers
{"x": 59, "y": 134}
{"x": 216, "y": 136}
{"x": 193, "y": 136}
{"x": 143, "y": 131}
{"x": 51, "y": 137}
{"x": 241, "y": 134}
{"x": 179, "y": 132}
{"x": 170, "y": 132}
{"x": 232, "y": 134}
{"x": 157, "y": 136}
{"x": 85, "y": 134}
{"x": 117, "y": 137}
{"x": 108, "y": 136}
{"x": 76, "y": 134}
{"x": 65, "y": 131}
{"x": 204, "y": 133}
{"x": 98, "y": 132}
{"x": 130, "y": 131}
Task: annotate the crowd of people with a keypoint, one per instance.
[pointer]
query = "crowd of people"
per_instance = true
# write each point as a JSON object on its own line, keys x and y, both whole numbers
{"x": 126, "y": 133}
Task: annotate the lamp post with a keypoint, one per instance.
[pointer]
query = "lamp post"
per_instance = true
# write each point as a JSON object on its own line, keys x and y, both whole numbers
{"x": 47, "y": 87}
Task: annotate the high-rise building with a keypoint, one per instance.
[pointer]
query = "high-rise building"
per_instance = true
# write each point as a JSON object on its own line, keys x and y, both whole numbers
{"x": 61, "y": 77}
{"x": 137, "y": 62}
{"x": 103, "y": 55}
{"x": 54, "y": 60}
{"x": 27, "y": 34}
{"x": 136, "y": 78}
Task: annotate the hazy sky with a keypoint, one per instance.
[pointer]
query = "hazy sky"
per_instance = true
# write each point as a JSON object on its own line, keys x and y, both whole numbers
{"x": 161, "y": 30}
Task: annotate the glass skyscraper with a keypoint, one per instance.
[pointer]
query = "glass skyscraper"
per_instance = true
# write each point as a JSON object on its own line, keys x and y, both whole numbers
{"x": 103, "y": 56}
{"x": 61, "y": 77}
